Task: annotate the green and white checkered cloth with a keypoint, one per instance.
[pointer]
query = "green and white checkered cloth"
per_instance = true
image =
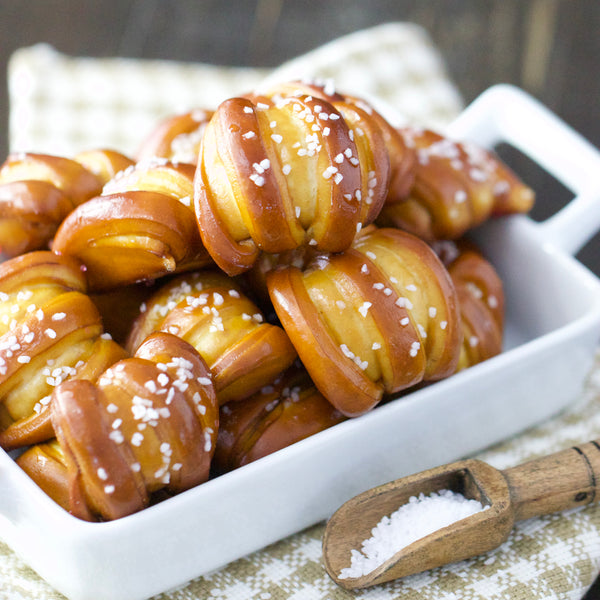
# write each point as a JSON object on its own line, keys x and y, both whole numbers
{"x": 62, "y": 105}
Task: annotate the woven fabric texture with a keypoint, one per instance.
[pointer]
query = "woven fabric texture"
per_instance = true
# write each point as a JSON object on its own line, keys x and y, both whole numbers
{"x": 63, "y": 104}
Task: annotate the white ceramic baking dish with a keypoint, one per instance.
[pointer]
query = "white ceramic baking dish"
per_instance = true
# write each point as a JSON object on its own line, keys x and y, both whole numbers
{"x": 553, "y": 326}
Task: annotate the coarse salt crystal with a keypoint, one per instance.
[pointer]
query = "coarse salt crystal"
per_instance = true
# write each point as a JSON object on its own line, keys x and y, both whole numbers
{"x": 460, "y": 196}
{"x": 365, "y": 308}
{"x": 116, "y": 436}
{"x": 257, "y": 179}
{"x": 329, "y": 171}
{"x": 137, "y": 439}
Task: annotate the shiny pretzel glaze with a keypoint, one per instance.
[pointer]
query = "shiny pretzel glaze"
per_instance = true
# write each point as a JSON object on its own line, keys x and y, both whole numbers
{"x": 50, "y": 331}
{"x": 140, "y": 228}
{"x": 273, "y": 175}
{"x": 374, "y": 320}
{"x": 104, "y": 163}
{"x": 457, "y": 186}
{"x": 37, "y": 191}
{"x": 208, "y": 310}
{"x": 481, "y": 300}
{"x": 176, "y": 138}
{"x": 148, "y": 425}
{"x": 401, "y": 157}
{"x": 279, "y": 414}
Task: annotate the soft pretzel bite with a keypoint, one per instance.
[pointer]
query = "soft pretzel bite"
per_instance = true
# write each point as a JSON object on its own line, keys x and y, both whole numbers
{"x": 37, "y": 191}
{"x": 374, "y": 320}
{"x": 208, "y": 310}
{"x": 401, "y": 157}
{"x": 481, "y": 300}
{"x": 45, "y": 464}
{"x": 149, "y": 424}
{"x": 457, "y": 186}
{"x": 278, "y": 415}
{"x": 142, "y": 227}
{"x": 50, "y": 331}
{"x": 105, "y": 164}
{"x": 273, "y": 175}
{"x": 176, "y": 138}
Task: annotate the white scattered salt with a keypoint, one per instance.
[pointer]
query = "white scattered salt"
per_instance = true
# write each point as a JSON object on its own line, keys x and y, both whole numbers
{"x": 419, "y": 517}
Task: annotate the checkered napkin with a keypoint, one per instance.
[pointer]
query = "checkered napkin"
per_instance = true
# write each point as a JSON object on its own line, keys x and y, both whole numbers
{"x": 62, "y": 105}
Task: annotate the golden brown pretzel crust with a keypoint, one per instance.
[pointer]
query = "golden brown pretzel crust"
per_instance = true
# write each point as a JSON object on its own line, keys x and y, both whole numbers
{"x": 376, "y": 319}
{"x": 481, "y": 299}
{"x": 273, "y": 175}
{"x": 401, "y": 158}
{"x": 282, "y": 413}
{"x": 140, "y": 228}
{"x": 457, "y": 186}
{"x": 37, "y": 191}
{"x": 45, "y": 464}
{"x": 209, "y": 311}
{"x": 149, "y": 423}
{"x": 49, "y": 331}
{"x": 176, "y": 138}
{"x": 104, "y": 163}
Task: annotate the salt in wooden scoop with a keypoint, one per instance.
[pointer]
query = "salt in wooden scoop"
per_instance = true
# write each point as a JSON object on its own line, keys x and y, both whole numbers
{"x": 560, "y": 481}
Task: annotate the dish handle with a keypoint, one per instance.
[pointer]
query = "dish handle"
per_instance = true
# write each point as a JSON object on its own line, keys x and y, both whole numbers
{"x": 505, "y": 113}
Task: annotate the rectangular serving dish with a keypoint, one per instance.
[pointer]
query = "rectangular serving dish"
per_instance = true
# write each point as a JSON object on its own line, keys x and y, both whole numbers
{"x": 553, "y": 327}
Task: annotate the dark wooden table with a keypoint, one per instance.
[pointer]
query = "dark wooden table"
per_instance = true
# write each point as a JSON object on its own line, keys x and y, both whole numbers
{"x": 550, "y": 48}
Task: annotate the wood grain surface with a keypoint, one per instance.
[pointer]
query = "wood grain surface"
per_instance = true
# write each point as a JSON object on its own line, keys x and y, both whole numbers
{"x": 550, "y": 48}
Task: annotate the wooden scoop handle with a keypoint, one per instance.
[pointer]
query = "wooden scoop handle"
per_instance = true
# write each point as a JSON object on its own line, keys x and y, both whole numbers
{"x": 556, "y": 482}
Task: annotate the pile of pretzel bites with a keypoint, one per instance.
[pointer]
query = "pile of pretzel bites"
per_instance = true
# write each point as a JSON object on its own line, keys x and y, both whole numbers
{"x": 256, "y": 274}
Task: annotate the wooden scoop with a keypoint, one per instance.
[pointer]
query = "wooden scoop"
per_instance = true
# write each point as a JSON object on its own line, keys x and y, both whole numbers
{"x": 563, "y": 480}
